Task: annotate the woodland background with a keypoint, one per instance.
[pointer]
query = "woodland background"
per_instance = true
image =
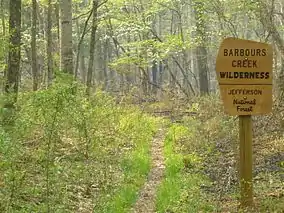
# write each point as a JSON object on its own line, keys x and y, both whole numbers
{"x": 85, "y": 85}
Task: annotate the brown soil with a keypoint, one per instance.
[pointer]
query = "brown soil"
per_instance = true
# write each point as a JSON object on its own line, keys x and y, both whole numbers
{"x": 147, "y": 196}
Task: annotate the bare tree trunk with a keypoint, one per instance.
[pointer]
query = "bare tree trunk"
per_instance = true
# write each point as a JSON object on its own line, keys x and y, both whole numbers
{"x": 49, "y": 45}
{"x": 41, "y": 20}
{"x": 99, "y": 77}
{"x": 111, "y": 74}
{"x": 66, "y": 51}
{"x": 105, "y": 61}
{"x": 33, "y": 45}
{"x": 83, "y": 68}
{"x": 92, "y": 46}
{"x": 203, "y": 70}
{"x": 4, "y": 35}
{"x": 15, "y": 47}
{"x": 201, "y": 49}
{"x": 266, "y": 14}
{"x": 78, "y": 32}
{"x": 3, "y": 18}
{"x": 173, "y": 75}
{"x": 154, "y": 77}
{"x": 12, "y": 81}
{"x": 80, "y": 41}
{"x": 57, "y": 23}
{"x": 161, "y": 66}
{"x": 145, "y": 79}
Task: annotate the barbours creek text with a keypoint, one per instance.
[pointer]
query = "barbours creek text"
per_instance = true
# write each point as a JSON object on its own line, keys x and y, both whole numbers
{"x": 245, "y": 52}
{"x": 245, "y": 63}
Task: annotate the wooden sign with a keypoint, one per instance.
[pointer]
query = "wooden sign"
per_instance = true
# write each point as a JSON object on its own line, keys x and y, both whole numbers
{"x": 244, "y": 73}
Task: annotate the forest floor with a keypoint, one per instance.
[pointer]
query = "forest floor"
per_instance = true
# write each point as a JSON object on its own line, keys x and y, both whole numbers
{"x": 147, "y": 196}
{"x": 100, "y": 156}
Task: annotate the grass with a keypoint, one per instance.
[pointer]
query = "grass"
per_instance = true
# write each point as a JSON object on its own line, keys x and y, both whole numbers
{"x": 67, "y": 153}
{"x": 202, "y": 160}
{"x": 135, "y": 167}
{"x": 180, "y": 190}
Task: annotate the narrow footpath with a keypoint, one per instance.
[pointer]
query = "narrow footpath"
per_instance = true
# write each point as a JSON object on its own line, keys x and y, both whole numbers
{"x": 147, "y": 196}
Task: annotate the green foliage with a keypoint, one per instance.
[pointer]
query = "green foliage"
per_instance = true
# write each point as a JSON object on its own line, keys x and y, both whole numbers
{"x": 67, "y": 153}
{"x": 142, "y": 53}
{"x": 202, "y": 161}
{"x": 215, "y": 141}
{"x": 180, "y": 190}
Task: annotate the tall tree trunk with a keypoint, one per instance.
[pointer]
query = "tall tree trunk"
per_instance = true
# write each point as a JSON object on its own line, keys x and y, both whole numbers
{"x": 172, "y": 80}
{"x": 33, "y": 45}
{"x": 49, "y": 44}
{"x": 92, "y": 46}
{"x": 57, "y": 24}
{"x": 12, "y": 81}
{"x": 80, "y": 45}
{"x": 4, "y": 35}
{"x": 66, "y": 49}
{"x": 201, "y": 49}
{"x": 78, "y": 31}
{"x": 145, "y": 80}
{"x": 82, "y": 68}
{"x": 266, "y": 14}
{"x": 3, "y": 18}
{"x": 111, "y": 74}
{"x": 161, "y": 67}
{"x": 105, "y": 61}
{"x": 203, "y": 70}
{"x": 41, "y": 20}
{"x": 154, "y": 77}
{"x": 99, "y": 61}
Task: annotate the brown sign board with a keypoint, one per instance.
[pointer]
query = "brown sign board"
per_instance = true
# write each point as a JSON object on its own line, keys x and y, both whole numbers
{"x": 244, "y": 73}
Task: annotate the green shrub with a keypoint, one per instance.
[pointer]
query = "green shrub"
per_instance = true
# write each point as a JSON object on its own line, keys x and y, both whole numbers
{"x": 67, "y": 152}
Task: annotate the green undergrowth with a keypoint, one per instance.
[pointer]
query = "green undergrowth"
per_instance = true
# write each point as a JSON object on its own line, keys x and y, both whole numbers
{"x": 135, "y": 168}
{"x": 222, "y": 162}
{"x": 65, "y": 152}
{"x": 180, "y": 191}
{"x": 206, "y": 133}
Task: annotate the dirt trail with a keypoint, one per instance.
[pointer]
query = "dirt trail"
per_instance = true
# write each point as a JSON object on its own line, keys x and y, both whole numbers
{"x": 147, "y": 196}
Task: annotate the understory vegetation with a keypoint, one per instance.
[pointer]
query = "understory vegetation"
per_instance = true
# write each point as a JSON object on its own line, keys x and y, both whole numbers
{"x": 201, "y": 151}
{"x": 113, "y": 106}
{"x": 95, "y": 155}
{"x": 180, "y": 190}
{"x": 68, "y": 153}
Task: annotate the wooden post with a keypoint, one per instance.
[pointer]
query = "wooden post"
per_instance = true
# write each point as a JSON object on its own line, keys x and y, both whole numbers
{"x": 245, "y": 133}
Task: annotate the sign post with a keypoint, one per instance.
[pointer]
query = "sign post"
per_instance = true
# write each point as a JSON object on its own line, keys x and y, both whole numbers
{"x": 244, "y": 73}
{"x": 245, "y": 134}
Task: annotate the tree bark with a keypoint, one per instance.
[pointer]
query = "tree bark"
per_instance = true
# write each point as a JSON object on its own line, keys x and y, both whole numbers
{"x": 4, "y": 35}
{"x": 266, "y": 14}
{"x": 66, "y": 51}
{"x": 3, "y": 18}
{"x": 201, "y": 49}
{"x": 49, "y": 44}
{"x": 33, "y": 45}
{"x": 154, "y": 77}
{"x": 105, "y": 61}
{"x": 82, "y": 68}
{"x": 80, "y": 42}
{"x": 14, "y": 58}
{"x": 92, "y": 46}
{"x": 57, "y": 24}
